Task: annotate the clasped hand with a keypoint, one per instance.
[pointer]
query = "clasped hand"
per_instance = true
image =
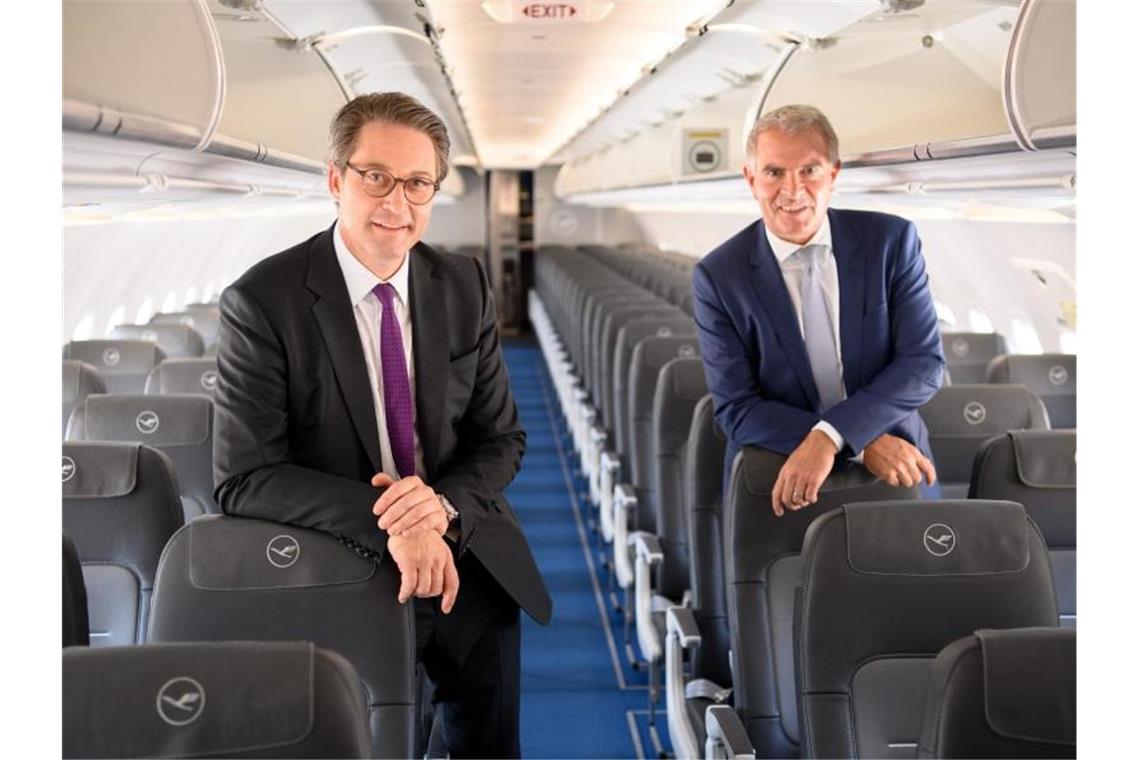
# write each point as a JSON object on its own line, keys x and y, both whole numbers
{"x": 407, "y": 505}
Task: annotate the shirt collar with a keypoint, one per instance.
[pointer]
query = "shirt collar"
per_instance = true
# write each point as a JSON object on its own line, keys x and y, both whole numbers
{"x": 360, "y": 279}
{"x": 784, "y": 249}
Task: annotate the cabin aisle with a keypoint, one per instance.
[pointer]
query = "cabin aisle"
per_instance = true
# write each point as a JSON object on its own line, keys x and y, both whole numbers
{"x": 576, "y": 699}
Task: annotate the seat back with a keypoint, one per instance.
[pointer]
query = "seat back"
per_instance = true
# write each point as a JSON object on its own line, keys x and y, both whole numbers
{"x": 120, "y": 505}
{"x": 181, "y": 426}
{"x": 174, "y": 340}
{"x": 1003, "y": 694}
{"x": 762, "y": 571}
{"x": 191, "y": 375}
{"x": 80, "y": 380}
{"x": 616, "y": 409}
{"x": 968, "y": 354}
{"x": 612, "y": 321}
{"x": 963, "y": 417}
{"x": 886, "y": 585}
{"x": 75, "y": 626}
{"x": 221, "y": 699}
{"x": 1052, "y": 377}
{"x": 704, "y": 467}
{"x": 1038, "y": 470}
{"x": 650, "y": 356}
{"x": 205, "y": 318}
{"x": 233, "y": 578}
{"x": 680, "y": 385}
{"x": 124, "y": 364}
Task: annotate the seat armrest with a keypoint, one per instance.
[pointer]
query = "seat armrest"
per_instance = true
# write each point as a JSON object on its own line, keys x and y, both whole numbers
{"x": 624, "y": 495}
{"x": 726, "y": 734}
{"x": 647, "y": 547}
{"x": 682, "y": 621}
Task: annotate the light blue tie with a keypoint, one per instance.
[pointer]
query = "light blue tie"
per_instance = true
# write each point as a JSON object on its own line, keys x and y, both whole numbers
{"x": 819, "y": 337}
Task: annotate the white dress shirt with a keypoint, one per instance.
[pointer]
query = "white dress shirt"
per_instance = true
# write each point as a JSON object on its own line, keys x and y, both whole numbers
{"x": 368, "y": 311}
{"x": 794, "y": 272}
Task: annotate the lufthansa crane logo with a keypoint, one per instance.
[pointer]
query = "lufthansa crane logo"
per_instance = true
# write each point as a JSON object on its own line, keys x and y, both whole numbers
{"x": 209, "y": 380}
{"x": 974, "y": 413}
{"x": 111, "y": 357}
{"x": 686, "y": 352}
{"x": 664, "y": 332}
{"x": 1058, "y": 375}
{"x": 282, "y": 551}
{"x": 150, "y": 335}
{"x": 180, "y": 701}
{"x": 187, "y": 320}
{"x": 939, "y": 540}
{"x": 960, "y": 347}
{"x": 147, "y": 422}
{"x": 68, "y": 468}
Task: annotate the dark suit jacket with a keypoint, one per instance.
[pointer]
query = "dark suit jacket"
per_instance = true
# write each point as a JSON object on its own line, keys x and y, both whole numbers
{"x": 754, "y": 355}
{"x": 295, "y": 436}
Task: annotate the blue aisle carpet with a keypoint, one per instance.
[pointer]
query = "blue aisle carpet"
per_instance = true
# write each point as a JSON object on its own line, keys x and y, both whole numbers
{"x": 580, "y": 698}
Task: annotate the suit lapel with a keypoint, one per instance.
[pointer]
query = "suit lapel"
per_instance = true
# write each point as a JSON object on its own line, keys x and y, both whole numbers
{"x": 849, "y": 263}
{"x": 430, "y": 348}
{"x": 768, "y": 281}
{"x": 333, "y": 313}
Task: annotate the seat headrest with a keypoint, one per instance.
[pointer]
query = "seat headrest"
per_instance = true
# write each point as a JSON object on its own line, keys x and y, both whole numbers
{"x": 172, "y": 420}
{"x": 1046, "y": 459}
{"x": 100, "y": 470}
{"x": 968, "y": 410}
{"x": 654, "y": 353}
{"x": 916, "y": 538}
{"x": 184, "y": 375}
{"x": 1048, "y": 374}
{"x": 115, "y": 357}
{"x": 964, "y": 346}
{"x": 193, "y": 699}
{"x": 232, "y": 554}
{"x": 174, "y": 340}
{"x": 1030, "y": 677}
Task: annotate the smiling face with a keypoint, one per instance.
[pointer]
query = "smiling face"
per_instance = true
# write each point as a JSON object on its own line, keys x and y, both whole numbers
{"x": 792, "y": 181}
{"x": 380, "y": 231}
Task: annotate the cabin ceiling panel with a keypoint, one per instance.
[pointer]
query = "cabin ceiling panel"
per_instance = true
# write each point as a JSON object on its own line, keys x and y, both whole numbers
{"x": 818, "y": 18}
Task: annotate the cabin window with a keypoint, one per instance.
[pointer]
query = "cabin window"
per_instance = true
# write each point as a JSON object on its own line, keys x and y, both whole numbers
{"x": 1068, "y": 343}
{"x": 85, "y": 328}
{"x": 145, "y": 312}
{"x": 945, "y": 315}
{"x": 979, "y": 322}
{"x": 170, "y": 303}
{"x": 117, "y": 317}
{"x": 192, "y": 294}
{"x": 1024, "y": 338}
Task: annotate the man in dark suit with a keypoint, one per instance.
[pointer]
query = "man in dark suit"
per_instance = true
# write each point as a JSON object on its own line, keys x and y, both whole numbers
{"x": 817, "y": 328}
{"x": 361, "y": 391}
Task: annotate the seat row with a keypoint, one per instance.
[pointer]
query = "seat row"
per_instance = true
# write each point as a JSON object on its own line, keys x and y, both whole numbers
{"x": 140, "y": 575}
{"x": 656, "y": 429}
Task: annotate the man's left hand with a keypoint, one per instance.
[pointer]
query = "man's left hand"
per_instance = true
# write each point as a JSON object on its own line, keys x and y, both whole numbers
{"x": 408, "y": 505}
{"x": 799, "y": 480}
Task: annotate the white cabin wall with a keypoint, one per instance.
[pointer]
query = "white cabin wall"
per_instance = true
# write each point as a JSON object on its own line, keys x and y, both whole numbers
{"x": 559, "y": 223}
{"x": 463, "y": 222}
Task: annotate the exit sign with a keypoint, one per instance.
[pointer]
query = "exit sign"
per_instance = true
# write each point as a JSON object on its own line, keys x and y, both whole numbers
{"x": 535, "y": 12}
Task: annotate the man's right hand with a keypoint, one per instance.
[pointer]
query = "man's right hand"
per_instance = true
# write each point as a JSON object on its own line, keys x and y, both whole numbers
{"x": 897, "y": 461}
{"x": 426, "y": 567}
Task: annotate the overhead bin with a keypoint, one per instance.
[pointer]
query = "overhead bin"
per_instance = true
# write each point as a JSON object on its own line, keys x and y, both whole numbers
{"x": 1041, "y": 75}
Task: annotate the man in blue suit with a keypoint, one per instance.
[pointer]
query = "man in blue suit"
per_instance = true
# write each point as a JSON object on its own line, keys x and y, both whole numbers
{"x": 817, "y": 329}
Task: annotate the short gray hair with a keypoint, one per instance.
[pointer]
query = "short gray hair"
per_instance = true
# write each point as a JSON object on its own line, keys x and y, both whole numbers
{"x": 390, "y": 108}
{"x": 791, "y": 119}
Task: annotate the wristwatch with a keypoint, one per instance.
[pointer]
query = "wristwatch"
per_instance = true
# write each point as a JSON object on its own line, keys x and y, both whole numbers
{"x": 451, "y": 512}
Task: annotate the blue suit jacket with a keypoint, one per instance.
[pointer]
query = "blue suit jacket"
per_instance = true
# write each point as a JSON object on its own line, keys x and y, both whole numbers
{"x": 755, "y": 360}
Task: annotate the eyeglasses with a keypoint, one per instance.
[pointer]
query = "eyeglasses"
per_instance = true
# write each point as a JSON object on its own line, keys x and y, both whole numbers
{"x": 378, "y": 183}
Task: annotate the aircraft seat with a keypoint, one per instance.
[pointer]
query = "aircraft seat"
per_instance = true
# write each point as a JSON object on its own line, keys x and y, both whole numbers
{"x": 76, "y": 631}
{"x": 218, "y": 699}
{"x": 174, "y": 340}
{"x": 123, "y": 364}
{"x": 120, "y": 505}
{"x": 80, "y": 380}
{"x": 1052, "y": 377}
{"x": 189, "y": 375}
{"x": 969, "y": 353}
{"x": 225, "y": 577}
{"x": 205, "y": 318}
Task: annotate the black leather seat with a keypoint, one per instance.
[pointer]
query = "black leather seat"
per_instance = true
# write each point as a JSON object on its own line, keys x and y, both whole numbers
{"x": 80, "y": 380}
{"x": 1038, "y": 469}
{"x": 120, "y": 506}
{"x": 1052, "y": 377}
{"x": 1006, "y": 693}
{"x": 205, "y": 318}
{"x": 174, "y": 340}
{"x": 220, "y": 699}
{"x": 181, "y": 426}
{"x": 968, "y": 354}
{"x": 196, "y": 376}
{"x": 886, "y": 586}
{"x": 75, "y": 626}
{"x": 225, "y": 577}
{"x": 963, "y": 417}
{"x": 123, "y": 364}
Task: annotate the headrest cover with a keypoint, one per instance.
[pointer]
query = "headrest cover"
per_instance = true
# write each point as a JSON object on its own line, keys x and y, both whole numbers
{"x": 978, "y": 409}
{"x": 232, "y": 554}
{"x": 1046, "y": 459}
{"x": 975, "y": 537}
{"x": 1031, "y": 683}
{"x": 99, "y": 470}
{"x": 115, "y": 357}
{"x": 170, "y": 420}
{"x": 186, "y": 700}
{"x": 657, "y": 352}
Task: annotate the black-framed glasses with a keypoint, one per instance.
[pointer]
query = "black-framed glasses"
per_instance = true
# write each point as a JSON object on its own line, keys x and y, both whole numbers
{"x": 378, "y": 183}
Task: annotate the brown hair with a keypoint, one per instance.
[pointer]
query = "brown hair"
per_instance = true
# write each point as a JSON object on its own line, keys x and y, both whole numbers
{"x": 791, "y": 119}
{"x": 390, "y": 108}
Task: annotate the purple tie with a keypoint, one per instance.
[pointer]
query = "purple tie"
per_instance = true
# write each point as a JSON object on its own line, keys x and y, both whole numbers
{"x": 397, "y": 392}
